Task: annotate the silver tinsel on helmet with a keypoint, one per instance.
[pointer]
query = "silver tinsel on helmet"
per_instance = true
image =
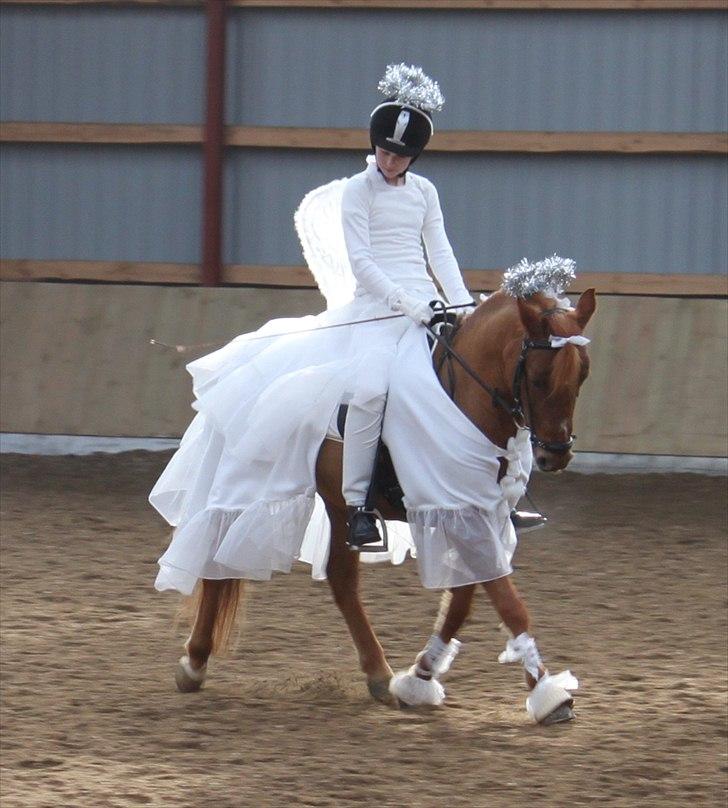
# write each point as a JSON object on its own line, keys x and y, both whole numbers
{"x": 408, "y": 84}
{"x": 551, "y": 276}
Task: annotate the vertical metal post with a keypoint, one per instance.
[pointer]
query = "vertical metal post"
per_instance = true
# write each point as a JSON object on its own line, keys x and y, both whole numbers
{"x": 213, "y": 148}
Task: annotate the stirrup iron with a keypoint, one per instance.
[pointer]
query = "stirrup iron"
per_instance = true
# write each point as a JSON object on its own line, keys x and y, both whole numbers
{"x": 526, "y": 521}
{"x": 372, "y": 547}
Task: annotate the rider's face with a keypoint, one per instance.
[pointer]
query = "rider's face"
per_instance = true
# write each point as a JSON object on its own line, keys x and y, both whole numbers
{"x": 390, "y": 164}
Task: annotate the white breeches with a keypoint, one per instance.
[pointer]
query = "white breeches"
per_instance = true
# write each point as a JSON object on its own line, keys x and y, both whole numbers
{"x": 361, "y": 436}
{"x": 366, "y": 408}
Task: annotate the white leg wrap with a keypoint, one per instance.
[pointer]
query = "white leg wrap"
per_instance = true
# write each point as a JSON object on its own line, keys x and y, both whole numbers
{"x": 411, "y": 688}
{"x": 522, "y": 649}
{"x": 550, "y": 691}
{"x": 439, "y": 655}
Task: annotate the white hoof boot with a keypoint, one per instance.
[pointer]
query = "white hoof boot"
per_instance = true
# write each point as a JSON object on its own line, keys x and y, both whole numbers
{"x": 550, "y": 694}
{"x": 187, "y": 679}
{"x": 550, "y": 701}
{"x": 413, "y": 691}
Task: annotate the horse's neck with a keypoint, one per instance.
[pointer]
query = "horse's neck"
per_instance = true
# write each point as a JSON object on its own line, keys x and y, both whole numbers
{"x": 481, "y": 341}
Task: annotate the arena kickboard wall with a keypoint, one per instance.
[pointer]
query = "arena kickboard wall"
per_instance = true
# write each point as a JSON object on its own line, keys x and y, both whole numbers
{"x": 656, "y": 385}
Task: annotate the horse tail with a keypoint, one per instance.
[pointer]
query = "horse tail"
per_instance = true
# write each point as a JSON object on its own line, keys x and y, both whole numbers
{"x": 224, "y": 634}
{"x": 214, "y": 611}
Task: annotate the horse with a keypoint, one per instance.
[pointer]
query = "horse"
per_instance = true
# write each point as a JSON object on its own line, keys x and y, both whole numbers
{"x": 516, "y": 368}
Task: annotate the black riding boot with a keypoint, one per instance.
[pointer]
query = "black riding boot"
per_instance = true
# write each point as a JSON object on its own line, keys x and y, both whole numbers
{"x": 362, "y": 527}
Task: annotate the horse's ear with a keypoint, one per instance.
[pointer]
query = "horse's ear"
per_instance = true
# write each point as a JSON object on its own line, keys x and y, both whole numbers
{"x": 585, "y": 308}
{"x": 532, "y": 319}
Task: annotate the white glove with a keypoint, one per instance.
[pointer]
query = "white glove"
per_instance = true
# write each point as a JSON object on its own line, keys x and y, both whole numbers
{"x": 417, "y": 310}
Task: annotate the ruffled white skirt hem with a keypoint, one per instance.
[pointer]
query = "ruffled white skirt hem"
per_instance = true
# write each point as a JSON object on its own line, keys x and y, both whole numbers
{"x": 251, "y": 543}
{"x": 461, "y": 546}
{"x": 267, "y": 537}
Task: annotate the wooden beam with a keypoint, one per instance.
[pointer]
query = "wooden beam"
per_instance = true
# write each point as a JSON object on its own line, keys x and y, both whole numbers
{"x": 131, "y": 133}
{"x": 290, "y": 137}
{"x": 623, "y": 283}
{"x": 394, "y": 5}
{"x": 615, "y": 283}
{"x": 461, "y": 141}
{"x": 496, "y": 5}
{"x": 250, "y": 275}
{"x": 104, "y": 271}
{"x": 593, "y": 142}
{"x": 453, "y": 141}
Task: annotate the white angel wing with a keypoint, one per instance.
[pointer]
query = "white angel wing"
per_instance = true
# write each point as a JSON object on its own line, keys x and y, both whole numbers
{"x": 318, "y": 224}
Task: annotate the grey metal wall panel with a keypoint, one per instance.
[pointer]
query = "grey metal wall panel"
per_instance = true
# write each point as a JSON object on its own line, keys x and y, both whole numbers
{"x": 621, "y": 214}
{"x": 309, "y": 67}
{"x": 533, "y": 71}
{"x": 610, "y": 213}
{"x": 100, "y": 203}
{"x": 110, "y": 65}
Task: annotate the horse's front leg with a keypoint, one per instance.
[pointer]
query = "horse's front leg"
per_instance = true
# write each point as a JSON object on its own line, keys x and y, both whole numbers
{"x": 342, "y": 572}
{"x": 512, "y": 610}
{"x": 550, "y": 701}
{"x": 420, "y": 684}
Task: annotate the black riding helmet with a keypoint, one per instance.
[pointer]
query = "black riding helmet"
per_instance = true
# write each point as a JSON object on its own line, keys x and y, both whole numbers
{"x": 400, "y": 128}
{"x": 403, "y": 124}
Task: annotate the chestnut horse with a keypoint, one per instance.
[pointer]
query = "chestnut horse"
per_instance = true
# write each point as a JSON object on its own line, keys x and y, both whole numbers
{"x": 499, "y": 342}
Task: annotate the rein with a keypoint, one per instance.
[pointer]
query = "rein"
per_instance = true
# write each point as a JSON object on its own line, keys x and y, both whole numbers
{"x": 520, "y": 380}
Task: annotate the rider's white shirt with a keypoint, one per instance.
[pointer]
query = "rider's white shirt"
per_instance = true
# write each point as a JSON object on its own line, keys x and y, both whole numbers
{"x": 384, "y": 230}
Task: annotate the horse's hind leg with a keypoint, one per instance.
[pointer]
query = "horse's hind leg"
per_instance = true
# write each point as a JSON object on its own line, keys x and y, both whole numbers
{"x": 216, "y": 607}
{"x": 343, "y": 575}
{"x": 550, "y": 702}
{"x": 455, "y": 608}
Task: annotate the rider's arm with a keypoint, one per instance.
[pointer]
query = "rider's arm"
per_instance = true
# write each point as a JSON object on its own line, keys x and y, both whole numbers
{"x": 439, "y": 252}
{"x": 355, "y": 221}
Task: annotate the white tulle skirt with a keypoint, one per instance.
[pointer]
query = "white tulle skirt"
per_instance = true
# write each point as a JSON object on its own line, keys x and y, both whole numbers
{"x": 240, "y": 490}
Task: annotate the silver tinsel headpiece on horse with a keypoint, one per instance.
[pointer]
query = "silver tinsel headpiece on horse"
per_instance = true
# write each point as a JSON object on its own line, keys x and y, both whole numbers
{"x": 408, "y": 84}
{"x": 551, "y": 276}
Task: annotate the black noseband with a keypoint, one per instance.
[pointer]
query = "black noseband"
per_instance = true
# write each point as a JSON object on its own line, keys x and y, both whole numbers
{"x": 553, "y": 447}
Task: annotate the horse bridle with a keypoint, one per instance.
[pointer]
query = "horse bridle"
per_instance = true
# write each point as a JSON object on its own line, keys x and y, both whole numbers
{"x": 520, "y": 381}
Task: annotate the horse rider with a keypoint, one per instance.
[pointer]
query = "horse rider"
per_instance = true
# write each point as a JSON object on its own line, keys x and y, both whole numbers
{"x": 388, "y": 214}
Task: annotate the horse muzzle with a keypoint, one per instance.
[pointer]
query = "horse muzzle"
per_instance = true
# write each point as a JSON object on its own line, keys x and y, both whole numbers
{"x": 552, "y": 455}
